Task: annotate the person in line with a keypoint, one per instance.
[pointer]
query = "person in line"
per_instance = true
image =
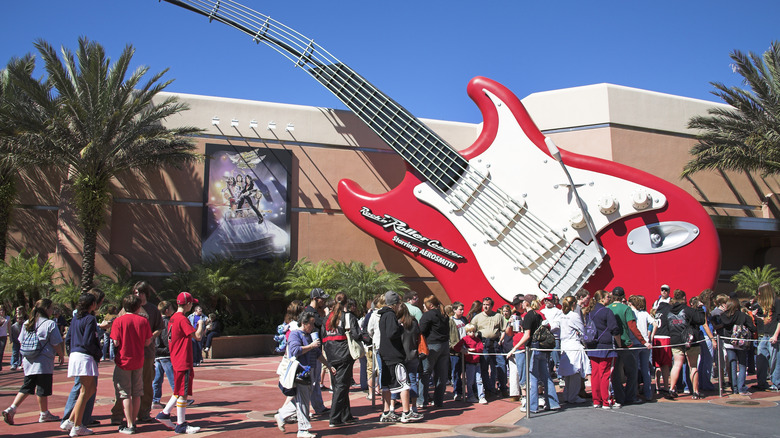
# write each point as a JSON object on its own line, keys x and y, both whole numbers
{"x": 476, "y": 308}
{"x": 111, "y": 313}
{"x": 767, "y": 365}
{"x": 574, "y": 364}
{"x": 516, "y": 362}
{"x": 708, "y": 347}
{"x": 735, "y": 355}
{"x": 540, "y": 360}
{"x": 317, "y": 306}
{"x": 411, "y": 341}
{"x": 663, "y": 297}
{"x": 306, "y": 349}
{"x": 180, "y": 346}
{"x": 684, "y": 323}
{"x": 638, "y": 305}
{"x": 601, "y": 352}
{"x": 162, "y": 355}
{"x": 340, "y": 358}
{"x": 87, "y": 419}
{"x": 435, "y": 327}
{"x": 625, "y": 363}
{"x": 491, "y": 326}
{"x": 131, "y": 335}
{"x": 85, "y": 352}
{"x": 38, "y": 370}
{"x": 15, "y": 331}
{"x": 197, "y": 347}
{"x": 395, "y": 379}
{"x": 475, "y": 391}
{"x": 457, "y": 332}
{"x": 410, "y": 300}
{"x": 552, "y": 315}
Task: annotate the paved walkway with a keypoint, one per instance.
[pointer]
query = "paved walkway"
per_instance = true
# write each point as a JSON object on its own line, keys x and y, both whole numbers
{"x": 238, "y": 397}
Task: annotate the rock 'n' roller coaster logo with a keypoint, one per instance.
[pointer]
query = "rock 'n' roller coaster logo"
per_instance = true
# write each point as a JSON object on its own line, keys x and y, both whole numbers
{"x": 414, "y": 242}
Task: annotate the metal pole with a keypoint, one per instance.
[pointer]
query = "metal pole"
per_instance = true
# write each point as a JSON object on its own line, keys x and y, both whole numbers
{"x": 463, "y": 378}
{"x": 374, "y": 375}
{"x": 528, "y": 353}
{"x": 720, "y": 365}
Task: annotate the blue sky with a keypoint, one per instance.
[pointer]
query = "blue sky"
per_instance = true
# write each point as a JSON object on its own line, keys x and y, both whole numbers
{"x": 421, "y": 53}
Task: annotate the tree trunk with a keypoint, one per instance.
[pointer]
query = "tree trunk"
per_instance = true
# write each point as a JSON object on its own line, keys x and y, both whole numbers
{"x": 7, "y": 196}
{"x": 91, "y": 195}
{"x": 88, "y": 258}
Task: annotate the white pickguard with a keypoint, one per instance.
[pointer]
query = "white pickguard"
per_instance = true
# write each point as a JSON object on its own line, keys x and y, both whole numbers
{"x": 514, "y": 173}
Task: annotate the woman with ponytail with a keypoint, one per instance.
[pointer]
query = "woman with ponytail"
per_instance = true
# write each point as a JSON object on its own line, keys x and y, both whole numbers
{"x": 767, "y": 358}
{"x": 435, "y": 326}
{"x": 38, "y": 371}
{"x": 339, "y": 357}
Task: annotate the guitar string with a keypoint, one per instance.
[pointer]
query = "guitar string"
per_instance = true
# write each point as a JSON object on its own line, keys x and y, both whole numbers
{"x": 308, "y": 52}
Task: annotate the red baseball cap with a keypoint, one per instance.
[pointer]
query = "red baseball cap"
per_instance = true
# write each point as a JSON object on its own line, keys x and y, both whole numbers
{"x": 185, "y": 298}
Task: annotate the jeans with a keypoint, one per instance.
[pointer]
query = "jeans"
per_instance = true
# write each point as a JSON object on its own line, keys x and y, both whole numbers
{"x": 363, "y": 373}
{"x": 108, "y": 347}
{"x": 774, "y": 364}
{"x": 71, "y": 402}
{"x": 474, "y": 381}
{"x": 162, "y": 369}
{"x": 625, "y": 365}
{"x": 315, "y": 395}
{"x": 412, "y": 368}
{"x": 493, "y": 366}
{"x": 555, "y": 356}
{"x": 540, "y": 371}
{"x": 3, "y": 342}
{"x": 764, "y": 363}
{"x": 456, "y": 363}
{"x": 706, "y": 359}
{"x": 209, "y": 338}
{"x": 299, "y": 405}
{"x": 16, "y": 355}
{"x": 643, "y": 361}
{"x": 197, "y": 352}
{"x": 738, "y": 366}
{"x": 436, "y": 365}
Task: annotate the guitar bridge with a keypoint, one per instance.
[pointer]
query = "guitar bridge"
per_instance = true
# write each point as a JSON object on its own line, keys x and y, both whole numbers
{"x": 574, "y": 267}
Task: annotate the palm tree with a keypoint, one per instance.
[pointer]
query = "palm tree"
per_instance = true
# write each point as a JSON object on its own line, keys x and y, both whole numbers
{"x": 24, "y": 279}
{"x": 745, "y": 137}
{"x": 305, "y": 276}
{"x": 748, "y": 280}
{"x": 362, "y": 282}
{"x": 92, "y": 118}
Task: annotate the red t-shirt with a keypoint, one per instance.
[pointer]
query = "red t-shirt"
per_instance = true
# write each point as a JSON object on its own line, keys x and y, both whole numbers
{"x": 180, "y": 344}
{"x": 131, "y": 331}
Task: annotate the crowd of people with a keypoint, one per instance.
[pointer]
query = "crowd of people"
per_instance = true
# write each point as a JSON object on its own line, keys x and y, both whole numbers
{"x": 147, "y": 343}
{"x": 408, "y": 354}
{"x": 630, "y": 353}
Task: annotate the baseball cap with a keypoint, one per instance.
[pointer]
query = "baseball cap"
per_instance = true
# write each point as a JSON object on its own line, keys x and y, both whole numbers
{"x": 664, "y": 287}
{"x": 517, "y": 300}
{"x": 392, "y": 298}
{"x": 618, "y": 292}
{"x": 318, "y": 293}
{"x": 548, "y": 297}
{"x": 529, "y": 298}
{"x": 185, "y": 298}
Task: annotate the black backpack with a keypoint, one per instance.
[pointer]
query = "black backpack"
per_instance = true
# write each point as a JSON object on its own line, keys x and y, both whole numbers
{"x": 680, "y": 330}
{"x": 544, "y": 337}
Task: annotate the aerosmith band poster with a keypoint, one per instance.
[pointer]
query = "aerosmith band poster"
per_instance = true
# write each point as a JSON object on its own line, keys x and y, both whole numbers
{"x": 247, "y": 203}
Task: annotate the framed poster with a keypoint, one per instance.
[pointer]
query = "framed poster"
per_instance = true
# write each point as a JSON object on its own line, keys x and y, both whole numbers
{"x": 247, "y": 202}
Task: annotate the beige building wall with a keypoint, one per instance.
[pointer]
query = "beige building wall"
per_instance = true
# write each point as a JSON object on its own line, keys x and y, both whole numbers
{"x": 154, "y": 226}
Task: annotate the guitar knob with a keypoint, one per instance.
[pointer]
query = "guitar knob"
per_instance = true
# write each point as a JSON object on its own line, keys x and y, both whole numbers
{"x": 608, "y": 204}
{"x": 577, "y": 219}
{"x": 640, "y": 199}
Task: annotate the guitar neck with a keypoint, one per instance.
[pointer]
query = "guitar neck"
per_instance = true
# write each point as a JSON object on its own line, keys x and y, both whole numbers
{"x": 422, "y": 148}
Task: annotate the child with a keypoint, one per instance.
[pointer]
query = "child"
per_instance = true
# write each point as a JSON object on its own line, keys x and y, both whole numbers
{"x": 457, "y": 332}
{"x": 130, "y": 333}
{"x": 38, "y": 370}
{"x": 470, "y": 357}
{"x": 15, "y": 331}
{"x": 180, "y": 346}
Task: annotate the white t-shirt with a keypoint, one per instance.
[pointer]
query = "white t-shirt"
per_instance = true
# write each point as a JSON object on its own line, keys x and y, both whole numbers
{"x": 643, "y": 323}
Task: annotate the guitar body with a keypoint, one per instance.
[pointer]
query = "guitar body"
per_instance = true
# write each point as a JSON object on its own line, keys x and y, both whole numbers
{"x": 413, "y": 219}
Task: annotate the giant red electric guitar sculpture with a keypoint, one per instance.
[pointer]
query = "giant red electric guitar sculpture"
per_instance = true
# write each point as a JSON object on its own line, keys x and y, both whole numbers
{"x": 510, "y": 214}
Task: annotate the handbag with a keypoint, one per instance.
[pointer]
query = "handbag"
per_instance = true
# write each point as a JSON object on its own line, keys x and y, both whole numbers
{"x": 287, "y": 370}
{"x": 356, "y": 349}
{"x": 422, "y": 347}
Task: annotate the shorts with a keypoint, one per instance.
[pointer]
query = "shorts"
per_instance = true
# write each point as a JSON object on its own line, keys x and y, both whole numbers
{"x": 43, "y": 383}
{"x": 662, "y": 357}
{"x": 394, "y": 378}
{"x": 128, "y": 383}
{"x": 182, "y": 382}
{"x": 683, "y": 350}
{"x": 81, "y": 364}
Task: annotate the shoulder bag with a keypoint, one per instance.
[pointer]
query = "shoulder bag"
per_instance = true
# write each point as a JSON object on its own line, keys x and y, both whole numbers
{"x": 356, "y": 349}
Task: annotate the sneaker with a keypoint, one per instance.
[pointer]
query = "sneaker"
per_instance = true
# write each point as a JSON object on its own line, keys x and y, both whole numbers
{"x": 389, "y": 417}
{"x": 47, "y": 416}
{"x": 165, "y": 420}
{"x": 279, "y": 422}
{"x": 127, "y": 430}
{"x": 416, "y": 415}
{"x": 190, "y": 402}
{"x": 407, "y": 417}
{"x": 483, "y": 401}
{"x": 66, "y": 425}
{"x": 80, "y": 431}
{"x": 8, "y": 415}
{"x": 523, "y": 401}
{"x": 616, "y": 405}
{"x": 305, "y": 434}
{"x": 605, "y": 407}
{"x": 772, "y": 388}
{"x": 458, "y": 397}
{"x": 186, "y": 428}
{"x": 596, "y": 405}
